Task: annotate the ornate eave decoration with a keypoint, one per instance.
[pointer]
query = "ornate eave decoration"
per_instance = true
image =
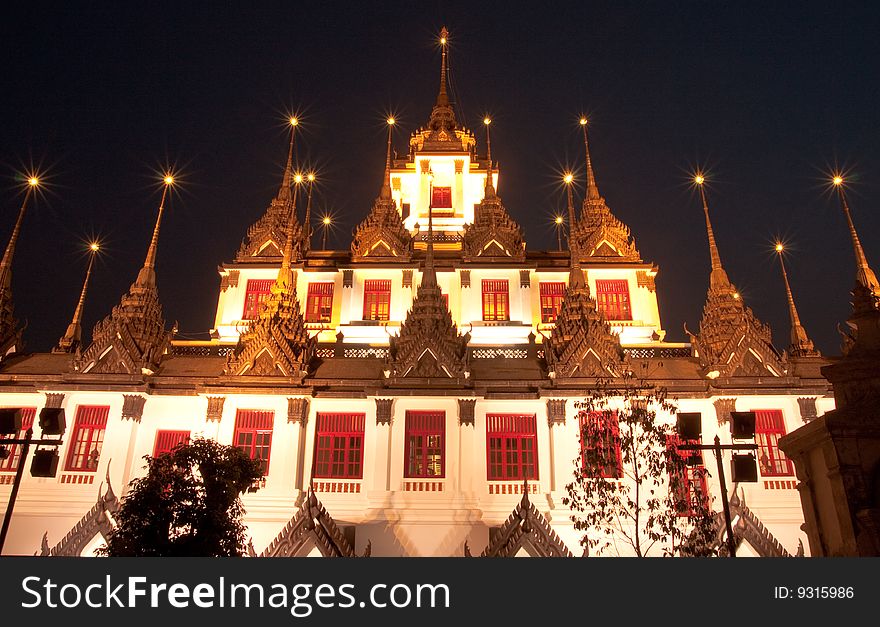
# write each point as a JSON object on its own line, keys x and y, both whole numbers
{"x": 600, "y": 234}
{"x": 277, "y": 342}
{"x": 493, "y": 233}
{"x": 265, "y": 237}
{"x": 311, "y": 526}
{"x": 97, "y": 520}
{"x": 581, "y": 343}
{"x": 131, "y": 340}
{"x": 382, "y": 235}
{"x": 526, "y": 529}
{"x": 732, "y": 341}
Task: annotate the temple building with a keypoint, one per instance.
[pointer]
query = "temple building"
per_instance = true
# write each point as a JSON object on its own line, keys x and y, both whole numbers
{"x": 414, "y": 395}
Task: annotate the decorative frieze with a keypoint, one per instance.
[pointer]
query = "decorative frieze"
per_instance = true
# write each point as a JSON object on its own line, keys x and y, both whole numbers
{"x": 133, "y": 406}
{"x": 807, "y": 406}
{"x": 555, "y": 411}
{"x": 215, "y": 408}
{"x": 298, "y": 410}
{"x": 54, "y": 400}
{"x": 466, "y": 411}
{"x": 383, "y": 411}
{"x": 723, "y": 407}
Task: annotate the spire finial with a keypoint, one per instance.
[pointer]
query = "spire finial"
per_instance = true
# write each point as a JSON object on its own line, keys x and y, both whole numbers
{"x": 800, "y": 343}
{"x": 284, "y": 273}
{"x": 73, "y": 336}
{"x": 442, "y": 97}
{"x": 147, "y": 276}
{"x": 864, "y": 275}
{"x": 284, "y": 191}
{"x": 592, "y": 188}
{"x": 718, "y": 277}
{"x": 576, "y": 275}
{"x": 307, "y": 224}
{"x": 490, "y": 187}
{"x": 6, "y": 264}
{"x": 386, "y": 181}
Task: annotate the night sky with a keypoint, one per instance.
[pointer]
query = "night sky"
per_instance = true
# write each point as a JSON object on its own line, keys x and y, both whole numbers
{"x": 768, "y": 100}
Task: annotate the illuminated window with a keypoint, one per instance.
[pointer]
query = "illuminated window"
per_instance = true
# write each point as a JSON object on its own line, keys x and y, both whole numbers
{"x": 377, "y": 299}
{"x": 253, "y": 435}
{"x": 512, "y": 446}
{"x": 441, "y": 198}
{"x": 551, "y": 300}
{"x": 167, "y": 441}
{"x": 424, "y": 443}
{"x": 256, "y": 292}
{"x": 495, "y": 303}
{"x": 600, "y": 444}
{"x": 14, "y": 450}
{"x": 769, "y": 427}
{"x": 88, "y": 437}
{"x": 687, "y": 480}
{"x": 612, "y": 297}
{"x": 319, "y": 302}
{"x": 339, "y": 446}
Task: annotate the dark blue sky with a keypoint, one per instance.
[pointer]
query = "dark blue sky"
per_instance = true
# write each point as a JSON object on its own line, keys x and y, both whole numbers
{"x": 767, "y": 99}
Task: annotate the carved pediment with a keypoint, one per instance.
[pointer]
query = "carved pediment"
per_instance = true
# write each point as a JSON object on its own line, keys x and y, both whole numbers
{"x": 493, "y": 232}
{"x": 382, "y": 234}
{"x": 599, "y": 233}
{"x": 265, "y": 238}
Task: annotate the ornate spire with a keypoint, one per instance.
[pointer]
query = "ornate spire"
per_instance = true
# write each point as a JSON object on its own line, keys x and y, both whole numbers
{"x": 266, "y": 237}
{"x": 732, "y": 341}
{"x": 73, "y": 336}
{"x": 801, "y": 345}
{"x": 132, "y": 339}
{"x": 598, "y": 232}
{"x": 307, "y": 221}
{"x": 277, "y": 342}
{"x": 382, "y": 234}
{"x": 493, "y": 232}
{"x": 10, "y": 334}
{"x": 864, "y": 275}
{"x": 429, "y": 343}
{"x": 576, "y": 275}
{"x": 442, "y": 98}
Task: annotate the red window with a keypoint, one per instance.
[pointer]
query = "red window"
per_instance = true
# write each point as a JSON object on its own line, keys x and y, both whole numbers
{"x": 88, "y": 437}
{"x": 167, "y": 441}
{"x": 551, "y": 300}
{"x": 253, "y": 435}
{"x": 319, "y": 302}
{"x": 424, "y": 443}
{"x": 495, "y": 304}
{"x": 600, "y": 444}
{"x": 687, "y": 481}
{"x": 769, "y": 427}
{"x": 613, "y": 299}
{"x": 14, "y": 450}
{"x": 512, "y": 446}
{"x": 256, "y": 292}
{"x": 441, "y": 198}
{"x": 339, "y": 446}
{"x": 377, "y": 299}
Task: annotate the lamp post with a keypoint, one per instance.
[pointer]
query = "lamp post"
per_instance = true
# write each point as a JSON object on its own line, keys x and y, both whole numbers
{"x": 52, "y": 423}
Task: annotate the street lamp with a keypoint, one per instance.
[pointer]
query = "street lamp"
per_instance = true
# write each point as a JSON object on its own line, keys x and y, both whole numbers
{"x": 45, "y": 462}
{"x": 325, "y": 225}
{"x": 559, "y": 221}
{"x": 743, "y": 466}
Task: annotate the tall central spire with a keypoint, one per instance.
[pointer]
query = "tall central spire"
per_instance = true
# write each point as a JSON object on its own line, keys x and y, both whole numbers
{"x": 147, "y": 276}
{"x": 442, "y": 97}
{"x": 592, "y": 188}
{"x": 718, "y": 278}
{"x": 385, "y": 193}
{"x": 864, "y": 275}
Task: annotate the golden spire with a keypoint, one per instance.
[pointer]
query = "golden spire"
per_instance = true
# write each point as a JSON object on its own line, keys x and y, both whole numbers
{"x": 442, "y": 97}
{"x": 386, "y": 181}
{"x": 576, "y": 275}
{"x": 718, "y": 277}
{"x": 6, "y": 264}
{"x": 490, "y": 187}
{"x": 147, "y": 276}
{"x": 287, "y": 179}
{"x": 307, "y": 224}
{"x": 73, "y": 336}
{"x": 864, "y": 275}
{"x": 592, "y": 188}
{"x": 800, "y": 344}
{"x": 284, "y": 275}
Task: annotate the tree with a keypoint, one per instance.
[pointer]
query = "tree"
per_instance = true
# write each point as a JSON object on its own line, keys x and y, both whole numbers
{"x": 632, "y": 490}
{"x": 187, "y": 505}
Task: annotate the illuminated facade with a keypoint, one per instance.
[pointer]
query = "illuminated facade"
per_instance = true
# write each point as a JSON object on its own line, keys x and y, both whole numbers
{"x": 419, "y": 382}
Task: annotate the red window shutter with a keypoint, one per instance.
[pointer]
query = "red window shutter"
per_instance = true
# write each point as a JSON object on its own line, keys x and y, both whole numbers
{"x": 339, "y": 446}
{"x": 256, "y": 292}
{"x": 511, "y": 447}
{"x": 14, "y": 450}
{"x": 600, "y": 444}
{"x": 552, "y": 294}
{"x": 88, "y": 437}
{"x": 377, "y": 299}
{"x": 612, "y": 298}
{"x": 769, "y": 427}
{"x": 319, "y": 302}
{"x": 424, "y": 448}
{"x": 253, "y": 434}
{"x": 495, "y": 300}
{"x": 166, "y": 441}
{"x": 441, "y": 198}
